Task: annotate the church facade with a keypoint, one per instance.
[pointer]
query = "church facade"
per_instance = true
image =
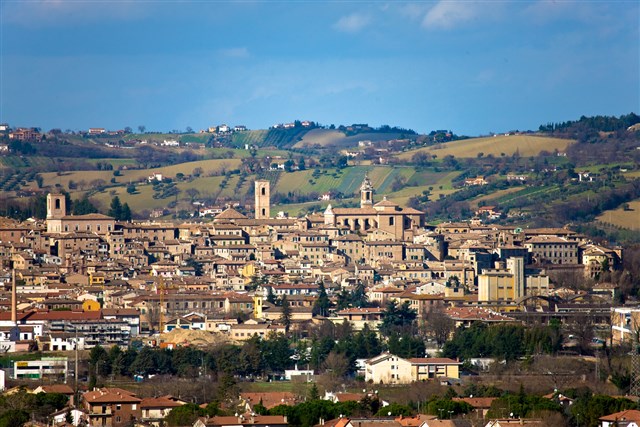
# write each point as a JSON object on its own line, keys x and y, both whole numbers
{"x": 385, "y": 217}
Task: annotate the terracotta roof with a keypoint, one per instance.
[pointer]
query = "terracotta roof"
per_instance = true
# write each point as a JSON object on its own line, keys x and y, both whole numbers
{"x": 257, "y": 419}
{"x": 270, "y": 399}
{"x": 107, "y": 395}
{"x": 355, "y": 211}
{"x": 88, "y": 217}
{"x": 476, "y": 402}
{"x": 160, "y": 402}
{"x": 349, "y": 397}
{"x": 628, "y": 415}
{"x": 230, "y": 213}
{"x": 57, "y": 388}
{"x": 385, "y": 202}
{"x": 66, "y": 315}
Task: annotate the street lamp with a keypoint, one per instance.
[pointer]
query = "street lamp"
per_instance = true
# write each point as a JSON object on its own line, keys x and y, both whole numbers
{"x": 441, "y": 410}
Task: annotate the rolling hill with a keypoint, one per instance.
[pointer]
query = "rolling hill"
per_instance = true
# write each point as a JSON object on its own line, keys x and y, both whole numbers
{"x": 525, "y": 145}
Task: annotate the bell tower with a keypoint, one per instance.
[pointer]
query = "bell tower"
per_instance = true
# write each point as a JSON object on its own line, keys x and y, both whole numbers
{"x": 56, "y": 206}
{"x": 366, "y": 193}
{"x": 262, "y": 194}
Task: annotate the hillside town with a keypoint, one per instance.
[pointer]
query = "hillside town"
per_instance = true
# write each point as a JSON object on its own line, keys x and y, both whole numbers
{"x": 81, "y": 282}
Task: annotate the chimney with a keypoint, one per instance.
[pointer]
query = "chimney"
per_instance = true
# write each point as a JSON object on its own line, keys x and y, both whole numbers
{"x": 14, "y": 299}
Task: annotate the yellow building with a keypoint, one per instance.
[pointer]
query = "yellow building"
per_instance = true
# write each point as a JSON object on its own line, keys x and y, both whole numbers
{"x": 511, "y": 283}
{"x": 390, "y": 369}
{"x": 90, "y": 305}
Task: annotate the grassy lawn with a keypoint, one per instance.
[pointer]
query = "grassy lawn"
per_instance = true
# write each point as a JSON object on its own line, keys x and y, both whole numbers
{"x": 526, "y": 145}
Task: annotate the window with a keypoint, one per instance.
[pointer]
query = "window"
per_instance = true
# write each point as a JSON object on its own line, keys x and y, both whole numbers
{"x": 264, "y": 191}
{"x": 391, "y": 220}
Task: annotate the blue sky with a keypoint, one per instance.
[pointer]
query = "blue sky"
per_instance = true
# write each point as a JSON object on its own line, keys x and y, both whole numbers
{"x": 472, "y": 67}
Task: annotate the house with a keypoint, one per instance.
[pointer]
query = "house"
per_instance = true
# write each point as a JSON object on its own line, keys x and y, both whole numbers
{"x": 481, "y": 405}
{"x": 56, "y": 388}
{"x": 243, "y": 421}
{"x": 25, "y": 134}
{"x": 628, "y": 418}
{"x": 390, "y": 369}
{"x": 267, "y": 399}
{"x": 111, "y": 407}
{"x": 155, "y": 177}
{"x": 155, "y": 409}
{"x": 77, "y": 416}
{"x": 475, "y": 181}
{"x": 507, "y": 422}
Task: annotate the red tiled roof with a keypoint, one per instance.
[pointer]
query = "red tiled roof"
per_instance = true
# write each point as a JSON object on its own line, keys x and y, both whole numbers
{"x": 628, "y": 415}
{"x": 108, "y": 395}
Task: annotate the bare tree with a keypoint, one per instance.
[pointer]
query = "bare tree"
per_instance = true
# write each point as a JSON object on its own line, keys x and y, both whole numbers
{"x": 438, "y": 325}
{"x": 153, "y": 315}
{"x": 582, "y": 329}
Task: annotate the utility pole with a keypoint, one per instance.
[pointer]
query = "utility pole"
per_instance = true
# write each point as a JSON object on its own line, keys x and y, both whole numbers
{"x": 75, "y": 372}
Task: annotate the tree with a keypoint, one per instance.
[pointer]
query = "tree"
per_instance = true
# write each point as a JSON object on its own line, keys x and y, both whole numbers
{"x": 285, "y": 317}
{"x": 131, "y": 188}
{"x": 359, "y": 296}
{"x": 322, "y": 303}
{"x": 271, "y": 297}
{"x": 192, "y": 193}
{"x": 439, "y": 325}
{"x": 184, "y": 415}
{"x": 83, "y": 207}
{"x": 126, "y": 213}
{"x": 397, "y": 318}
{"x": 314, "y": 394}
{"x": 142, "y": 128}
{"x": 144, "y": 362}
{"x": 115, "y": 209}
{"x": 197, "y": 266}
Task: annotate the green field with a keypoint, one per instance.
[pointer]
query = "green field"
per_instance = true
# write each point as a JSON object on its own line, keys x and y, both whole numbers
{"x": 629, "y": 219}
{"x": 525, "y": 145}
{"x": 348, "y": 180}
{"x": 136, "y": 175}
{"x": 335, "y": 138}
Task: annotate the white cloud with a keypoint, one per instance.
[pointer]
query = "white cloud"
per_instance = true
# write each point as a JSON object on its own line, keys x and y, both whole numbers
{"x": 235, "y": 52}
{"x": 352, "y": 23}
{"x": 448, "y": 14}
{"x": 414, "y": 11}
